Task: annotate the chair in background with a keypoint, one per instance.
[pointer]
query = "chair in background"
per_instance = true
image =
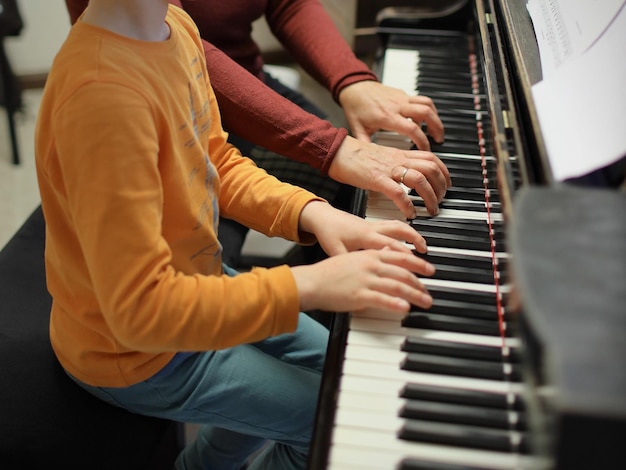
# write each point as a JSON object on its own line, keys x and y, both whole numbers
{"x": 11, "y": 24}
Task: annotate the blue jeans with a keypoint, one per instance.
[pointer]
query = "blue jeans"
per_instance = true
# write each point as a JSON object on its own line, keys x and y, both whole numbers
{"x": 245, "y": 398}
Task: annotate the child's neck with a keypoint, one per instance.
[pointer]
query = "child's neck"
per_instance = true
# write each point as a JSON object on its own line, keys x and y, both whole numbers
{"x": 137, "y": 19}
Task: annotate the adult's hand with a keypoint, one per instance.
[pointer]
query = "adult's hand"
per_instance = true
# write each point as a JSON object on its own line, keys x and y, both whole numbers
{"x": 377, "y": 168}
{"x": 370, "y": 106}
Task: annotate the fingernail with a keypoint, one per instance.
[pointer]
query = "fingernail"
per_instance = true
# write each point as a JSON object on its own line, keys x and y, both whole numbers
{"x": 427, "y": 300}
{"x": 430, "y": 269}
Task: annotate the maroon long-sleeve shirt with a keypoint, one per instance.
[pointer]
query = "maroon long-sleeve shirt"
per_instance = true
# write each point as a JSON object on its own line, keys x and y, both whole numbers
{"x": 248, "y": 107}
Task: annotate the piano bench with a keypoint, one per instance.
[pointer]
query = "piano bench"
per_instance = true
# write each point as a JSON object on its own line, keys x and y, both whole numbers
{"x": 47, "y": 420}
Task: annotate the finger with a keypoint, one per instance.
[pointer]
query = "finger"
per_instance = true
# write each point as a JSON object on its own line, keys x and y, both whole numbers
{"x": 420, "y": 183}
{"x": 397, "y": 194}
{"x": 399, "y": 236}
{"x": 373, "y": 299}
{"x": 423, "y": 110}
{"x": 408, "y": 123}
{"x": 360, "y": 133}
{"x": 411, "y": 262}
{"x": 433, "y": 169}
{"x": 400, "y": 290}
{"x": 335, "y": 249}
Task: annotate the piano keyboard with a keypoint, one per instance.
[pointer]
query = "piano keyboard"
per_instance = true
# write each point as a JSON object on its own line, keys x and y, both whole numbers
{"x": 440, "y": 388}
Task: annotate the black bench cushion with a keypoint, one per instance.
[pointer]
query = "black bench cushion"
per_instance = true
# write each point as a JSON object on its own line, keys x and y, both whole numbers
{"x": 44, "y": 417}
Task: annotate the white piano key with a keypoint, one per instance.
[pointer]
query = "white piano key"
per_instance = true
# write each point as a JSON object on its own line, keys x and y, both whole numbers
{"x": 465, "y": 252}
{"x": 377, "y": 449}
{"x": 400, "y": 70}
{"x": 381, "y": 419}
{"x": 390, "y": 358}
{"x": 390, "y": 374}
{"x": 383, "y": 388}
{"x": 387, "y": 402}
{"x": 387, "y": 210}
{"x": 382, "y": 401}
{"x": 392, "y": 139}
{"x": 378, "y": 332}
{"x": 468, "y": 286}
{"x": 387, "y": 327}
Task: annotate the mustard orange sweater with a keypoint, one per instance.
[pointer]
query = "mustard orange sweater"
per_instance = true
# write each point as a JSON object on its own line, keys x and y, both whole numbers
{"x": 134, "y": 168}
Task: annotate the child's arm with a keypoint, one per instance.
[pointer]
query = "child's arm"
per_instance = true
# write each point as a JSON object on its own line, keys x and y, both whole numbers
{"x": 380, "y": 278}
{"x": 355, "y": 281}
{"x": 340, "y": 232}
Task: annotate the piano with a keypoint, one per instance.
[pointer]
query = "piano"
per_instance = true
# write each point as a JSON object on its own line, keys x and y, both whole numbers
{"x": 471, "y": 383}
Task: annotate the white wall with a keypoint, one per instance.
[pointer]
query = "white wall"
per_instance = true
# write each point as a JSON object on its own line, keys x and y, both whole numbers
{"x": 343, "y": 12}
{"x": 46, "y": 24}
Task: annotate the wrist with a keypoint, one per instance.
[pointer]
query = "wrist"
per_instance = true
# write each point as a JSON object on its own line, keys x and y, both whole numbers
{"x": 311, "y": 215}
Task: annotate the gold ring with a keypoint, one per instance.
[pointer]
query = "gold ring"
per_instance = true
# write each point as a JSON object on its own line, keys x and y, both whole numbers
{"x": 403, "y": 175}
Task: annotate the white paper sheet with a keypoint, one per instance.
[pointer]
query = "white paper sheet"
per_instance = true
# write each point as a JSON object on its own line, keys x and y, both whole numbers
{"x": 567, "y": 28}
{"x": 582, "y": 105}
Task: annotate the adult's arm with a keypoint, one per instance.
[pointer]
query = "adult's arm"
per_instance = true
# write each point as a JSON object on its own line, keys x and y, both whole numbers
{"x": 309, "y": 34}
{"x": 306, "y": 30}
{"x": 255, "y": 112}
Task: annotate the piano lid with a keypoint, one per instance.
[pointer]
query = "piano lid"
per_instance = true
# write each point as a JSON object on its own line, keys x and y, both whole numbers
{"x": 569, "y": 271}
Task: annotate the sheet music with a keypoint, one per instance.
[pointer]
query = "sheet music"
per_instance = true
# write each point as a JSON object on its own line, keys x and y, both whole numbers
{"x": 582, "y": 105}
{"x": 567, "y": 28}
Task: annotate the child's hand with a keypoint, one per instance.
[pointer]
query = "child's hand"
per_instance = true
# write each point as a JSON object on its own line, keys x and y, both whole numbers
{"x": 351, "y": 282}
{"x": 340, "y": 232}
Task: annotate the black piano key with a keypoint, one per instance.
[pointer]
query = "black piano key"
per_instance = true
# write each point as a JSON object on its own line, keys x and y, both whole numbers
{"x": 462, "y": 414}
{"x": 464, "y": 260}
{"x": 416, "y": 391}
{"x": 472, "y": 194}
{"x": 473, "y": 181}
{"x": 466, "y": 101}
{"x": 453, "y": 225}
{"x": 460, "y": 119}
{"x": 449, "y": 226}
{"x": 468, "y": 148}
{"x": 473, "y": 437}
{"x": 428, "y": 87}
{"x": 452, "y": 95}
{"x": 443, "y": 73}
{"x": 470, "y": 168}
{"x": 450, "y": 240}
{"x": 464, "y": 309}
{"x": 418, "y": 464}
{"x": 461, "y": 350}
{"x": 434, "y": 321}
{"x": 463, "y": 181}
{"x": 475, "y": 206}
{"x": 463, "y": 295}
{"x": 459, "y": 367}
{"x": 462, "y": 273}
{"x": 456, "y": 308}
{"x": 478, "y": 226}
{"x": 458, "y": 128}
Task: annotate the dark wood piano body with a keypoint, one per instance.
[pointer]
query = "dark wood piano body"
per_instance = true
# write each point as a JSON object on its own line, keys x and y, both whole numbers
{"x": 541, "y": 425}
